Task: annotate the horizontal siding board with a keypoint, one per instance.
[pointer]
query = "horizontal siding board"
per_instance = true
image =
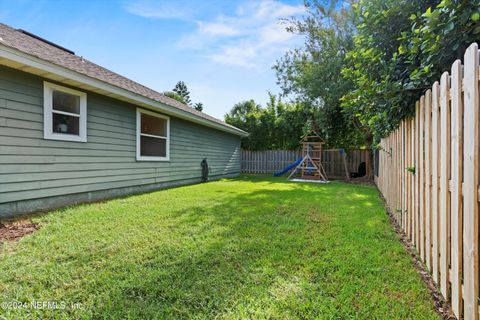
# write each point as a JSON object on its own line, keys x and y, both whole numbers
{"x": 21, "y": 97}
{"x": 31, "y": 167}
{"x": 24, "y": 107}
{"x": 20, "y": 115}
{"x": 55, "y": 175}
{"x": 44, "y": 176}
{"x": 42, "y": 151}
{"x": 44, "y": 184}
{"x": 101, "y": 124}
{"x": 31, "y": 142}
{"x": 11, "y": 77}
{"x": 22, "y": 88}
{"x": 51, "y": 192}
{"x": 26, "y": 170}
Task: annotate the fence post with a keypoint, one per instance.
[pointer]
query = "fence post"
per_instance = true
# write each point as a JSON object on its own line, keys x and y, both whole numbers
{"x": 428, "y": 178}
{"x": 470, "y": 190}
{"x": 435, "y": 182}
{"x": 444, "y": 221}
{"x": 421, "y": 172}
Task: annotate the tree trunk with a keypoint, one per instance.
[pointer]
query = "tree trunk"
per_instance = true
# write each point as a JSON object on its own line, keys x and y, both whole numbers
{"x": 369, "y": 161}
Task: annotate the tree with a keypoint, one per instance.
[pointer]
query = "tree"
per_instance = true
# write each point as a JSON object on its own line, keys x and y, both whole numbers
{"x": 312, "y": 73}
{"x": 278, "y": 126}
{"x": 378, "y": 98}
{"x": 182, "y": 90}
{"x": 244, "y": 115}
{"x": 437, "y": 37}
{"x": 198, "y": 106}
{"x": 400, "y": 49}
{"x": 174, "y": 95}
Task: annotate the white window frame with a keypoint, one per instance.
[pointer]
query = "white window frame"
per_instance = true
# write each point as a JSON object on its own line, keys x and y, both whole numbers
{"x": 139, "y": 134}
{"x": 48, "y": 111}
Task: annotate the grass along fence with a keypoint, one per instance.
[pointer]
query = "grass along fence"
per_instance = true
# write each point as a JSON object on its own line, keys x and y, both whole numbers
{"x": 271, "y": 161}
{"x": 428, "y": 174}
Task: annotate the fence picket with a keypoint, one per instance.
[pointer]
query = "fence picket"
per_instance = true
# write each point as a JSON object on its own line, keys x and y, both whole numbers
{"x": 470, "y": 190}
{"x": 421, "y": 173}
{"x": 435, "y": 182}
{"x": 412, "y": 180}
{"x": 444, "y": 213}
{"x": 456, "y": 190}
{"x": 428, "y": 178}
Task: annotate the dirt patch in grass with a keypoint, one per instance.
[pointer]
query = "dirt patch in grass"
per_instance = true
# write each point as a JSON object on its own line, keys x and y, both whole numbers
{"x": 10, "y": 231}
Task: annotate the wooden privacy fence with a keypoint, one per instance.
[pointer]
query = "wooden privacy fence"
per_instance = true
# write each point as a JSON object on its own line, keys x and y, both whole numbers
{"x": 271, "y": 161}
{"x": 437, "y": 205}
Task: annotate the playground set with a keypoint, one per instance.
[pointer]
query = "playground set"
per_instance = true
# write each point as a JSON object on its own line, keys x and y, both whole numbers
{"x": 309, "y": 168}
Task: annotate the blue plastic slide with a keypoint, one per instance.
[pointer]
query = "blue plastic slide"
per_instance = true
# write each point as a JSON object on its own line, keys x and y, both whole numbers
{"x": 290, "y": 167}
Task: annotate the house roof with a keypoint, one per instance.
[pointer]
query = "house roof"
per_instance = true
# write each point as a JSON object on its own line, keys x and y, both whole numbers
{"x": 49, "y": 52}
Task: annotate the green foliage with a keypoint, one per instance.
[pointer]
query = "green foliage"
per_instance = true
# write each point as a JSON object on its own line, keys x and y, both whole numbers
{"x": 181, "y": 94}
{"x": 411, "y": 169}
{"x": 198, "y": 106}
{"x": 245, "y": 248}
{"x": 175, "y": 96}
{"x": 400, "y": 49}
{"x": 278, "y": 126}
{"x": 182, "y": 90}
{"x": 378, "y": 99}
{"x": 437, "y": 38}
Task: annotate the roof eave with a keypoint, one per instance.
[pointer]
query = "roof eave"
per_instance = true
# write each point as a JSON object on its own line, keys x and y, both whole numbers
{"x": 19, "y": 60}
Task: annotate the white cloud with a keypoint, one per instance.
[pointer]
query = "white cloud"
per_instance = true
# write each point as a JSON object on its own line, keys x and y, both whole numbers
{"x": 275, "y": 33}
{"x": 217, "y": 29}
{"x": 251, "y": 37}
{"x": 242, "y": 55}
{"x": 268, "y": 9}
{"x": 160, "y": 10}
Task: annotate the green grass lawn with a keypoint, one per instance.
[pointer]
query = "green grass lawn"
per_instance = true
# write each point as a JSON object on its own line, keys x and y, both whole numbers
{"x": 245, "y": 248}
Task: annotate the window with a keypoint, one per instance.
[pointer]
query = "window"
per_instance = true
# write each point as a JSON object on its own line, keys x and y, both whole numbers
{"x": 65, "y": 113}
{"x": 153, "y": 130}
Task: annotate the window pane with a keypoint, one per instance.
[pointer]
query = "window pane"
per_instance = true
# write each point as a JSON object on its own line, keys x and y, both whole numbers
{"x": 153, "y": 147}
{"x": 66, "y": 102}
{"x": 154, "y": 125}
{"x": 66, "y": 124}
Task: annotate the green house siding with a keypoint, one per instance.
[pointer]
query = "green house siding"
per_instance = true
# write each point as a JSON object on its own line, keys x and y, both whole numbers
{"x": 33, "y": 169}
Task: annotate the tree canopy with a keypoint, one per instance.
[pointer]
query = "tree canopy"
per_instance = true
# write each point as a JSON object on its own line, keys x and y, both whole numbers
{"x": 278, "y": 126}
{"x": 400, "y": 49}
{"x": 175, "y": 96}
{"x": 181, "y": 94}
{"x": 362, "y": 66}
{"x": 182, "y": 90}
{"x": 312, "y": 73}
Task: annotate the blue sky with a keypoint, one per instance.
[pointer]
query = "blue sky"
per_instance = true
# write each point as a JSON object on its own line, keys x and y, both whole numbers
{"x": 223, "y": 50}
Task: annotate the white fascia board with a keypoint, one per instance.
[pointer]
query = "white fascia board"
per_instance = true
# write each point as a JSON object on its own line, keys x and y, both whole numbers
{"x": 34, "y": 62}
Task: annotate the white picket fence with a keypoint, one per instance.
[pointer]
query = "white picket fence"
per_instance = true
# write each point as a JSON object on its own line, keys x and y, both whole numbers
{"x": 436, "y": 201}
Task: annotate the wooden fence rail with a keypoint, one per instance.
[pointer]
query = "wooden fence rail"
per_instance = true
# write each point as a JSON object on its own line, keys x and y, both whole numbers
{"x": 429, "y": 176}
{"x": 271, "y": 161}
